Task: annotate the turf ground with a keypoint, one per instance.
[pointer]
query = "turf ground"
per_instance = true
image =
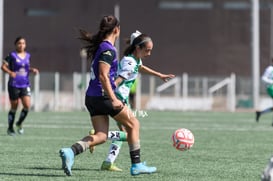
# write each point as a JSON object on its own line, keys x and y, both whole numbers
{"x": 228, "y": 146}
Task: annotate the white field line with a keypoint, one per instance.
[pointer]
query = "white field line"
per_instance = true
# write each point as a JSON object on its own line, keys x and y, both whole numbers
{"x": 213, "y": 127}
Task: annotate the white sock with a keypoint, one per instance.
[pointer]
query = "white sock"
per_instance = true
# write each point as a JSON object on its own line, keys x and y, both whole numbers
{"x": 113, "y": 151}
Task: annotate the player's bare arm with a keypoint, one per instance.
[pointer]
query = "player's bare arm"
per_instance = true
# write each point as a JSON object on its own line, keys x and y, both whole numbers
{"x": 118, "y": 80}
{"x": 34, "y": 70}
{"x": 6, "y": 69}
{"x": 104, "y": 69}
{"x": 164, "y": 77}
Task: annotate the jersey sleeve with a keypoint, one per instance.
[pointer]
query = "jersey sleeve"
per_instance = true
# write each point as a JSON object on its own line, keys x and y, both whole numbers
{"x": 7, "y": 60}
{"x": 107, "y": 56}
{"x": 267, "y": 76}
{"x": 126, "y": 67}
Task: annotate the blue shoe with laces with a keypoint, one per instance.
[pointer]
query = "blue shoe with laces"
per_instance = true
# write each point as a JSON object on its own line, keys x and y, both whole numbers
{"x": 141, "y": 168}
{"x": 67, "y": 156}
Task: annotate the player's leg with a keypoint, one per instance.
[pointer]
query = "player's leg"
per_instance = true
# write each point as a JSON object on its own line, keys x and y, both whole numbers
{"x": 14, "y": 97}
{"x": 112, "y": 135}
{"x": 259, "y": 113}
{"x": 131, "y": 124}
{"x": 26, "y": 106}
{"x": 11, "y": 117}
{"x": 113, "y": 153}
{"x": 267, "y": 174}
{"x": 117, "y": 138}
{"x": 267, "y": 110}
{"x": 104, "y": 106}
{"x": 100, "y": 124}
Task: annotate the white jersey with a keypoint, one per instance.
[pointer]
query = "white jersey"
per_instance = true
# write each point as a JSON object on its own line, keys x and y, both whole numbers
{"x": 268, "y": 76}
{"x": 128, "y": 70}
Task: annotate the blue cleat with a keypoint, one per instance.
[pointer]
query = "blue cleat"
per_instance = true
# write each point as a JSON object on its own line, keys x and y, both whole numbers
{"x": 141, "y": 168}
{"x": 67, "y": 156}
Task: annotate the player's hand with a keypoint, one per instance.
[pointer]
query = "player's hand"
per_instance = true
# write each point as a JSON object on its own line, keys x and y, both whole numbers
{"x": 166, "y": 77}
{"x": 35, "y": 71}
{"x": 117, "y": 104}
{"x": 12, "y": 74}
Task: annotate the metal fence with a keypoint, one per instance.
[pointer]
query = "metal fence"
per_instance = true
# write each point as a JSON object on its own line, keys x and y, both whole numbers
{"x": 65, "y": 92}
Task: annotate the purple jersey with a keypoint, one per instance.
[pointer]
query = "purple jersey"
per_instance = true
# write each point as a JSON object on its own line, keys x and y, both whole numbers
{"x": 95, "y": 87}
{"x": 21, "y": 67}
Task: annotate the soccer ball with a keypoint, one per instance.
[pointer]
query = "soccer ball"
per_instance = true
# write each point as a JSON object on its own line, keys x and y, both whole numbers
{"x": 183, "y": 139}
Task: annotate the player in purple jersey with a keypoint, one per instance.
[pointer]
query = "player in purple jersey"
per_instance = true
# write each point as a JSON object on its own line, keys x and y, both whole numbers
{"x": 17, "y": 65}
{"x": 101, "y": 100}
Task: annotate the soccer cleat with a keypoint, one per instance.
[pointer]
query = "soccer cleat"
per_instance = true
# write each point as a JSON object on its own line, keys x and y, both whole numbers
{"x": 67, "y": 156}
{"x": 20, "y": 129}
{"x": 141, "y": 168}
{"x": 258, "y": 114}
{"x": 110, "y": 167}
{"x": 267, "y": 174}
{"x": 91, "y": 148}
{"x": 11, "y": 132}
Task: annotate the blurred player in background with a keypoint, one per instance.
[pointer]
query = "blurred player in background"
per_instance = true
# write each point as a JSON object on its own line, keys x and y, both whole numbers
{"x": 140, "y": 47}
{"x": 267, "y": 174}
{"x": 101, "y": 100}
{"x": 267, "y": 78}
{"x": 17, "y": 65}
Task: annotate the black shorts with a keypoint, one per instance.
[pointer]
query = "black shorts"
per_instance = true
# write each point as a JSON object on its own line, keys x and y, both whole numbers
{"x": 15, "y": 93}
{"x": 100, "y": 105}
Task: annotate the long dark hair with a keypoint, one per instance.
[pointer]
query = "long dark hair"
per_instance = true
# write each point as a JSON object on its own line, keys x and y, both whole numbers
{"x": 107, "y": 25}
{"x": 139, "y": 41}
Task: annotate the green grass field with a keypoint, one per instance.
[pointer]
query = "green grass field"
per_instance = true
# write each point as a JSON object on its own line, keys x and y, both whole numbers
{"x": 228, "y": 146}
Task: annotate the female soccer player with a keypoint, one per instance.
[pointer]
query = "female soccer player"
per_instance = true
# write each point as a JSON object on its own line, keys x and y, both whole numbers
{"x": 140, "y": 47}
{"x": 17, "y": 65}
{"x": 101, "y": 100}
{"x": 268, "y": 80}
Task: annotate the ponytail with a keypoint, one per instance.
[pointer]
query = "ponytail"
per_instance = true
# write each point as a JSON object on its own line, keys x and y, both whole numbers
{"x": 92, "y": 42}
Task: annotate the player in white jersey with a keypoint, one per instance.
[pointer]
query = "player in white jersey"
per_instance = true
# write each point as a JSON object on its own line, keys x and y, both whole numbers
{"x": 267, "y": 78}
{"x": 140, "y": 47}
{"x": 128, "y": 72}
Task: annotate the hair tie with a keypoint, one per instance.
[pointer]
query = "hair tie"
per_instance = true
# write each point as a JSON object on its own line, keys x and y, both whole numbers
{"x": 134, "y": 36}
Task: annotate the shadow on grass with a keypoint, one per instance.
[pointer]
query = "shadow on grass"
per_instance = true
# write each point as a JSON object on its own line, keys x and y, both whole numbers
{"x": 49, "y": 168}
{"x": 29, "y": 174}
{"x": 62, "y": 175}
{"x": 42, "y": 174}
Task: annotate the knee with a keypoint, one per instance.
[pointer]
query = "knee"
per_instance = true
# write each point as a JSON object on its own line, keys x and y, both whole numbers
{"x": 26, "y": 106}
{"x": 14, "y": 106}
